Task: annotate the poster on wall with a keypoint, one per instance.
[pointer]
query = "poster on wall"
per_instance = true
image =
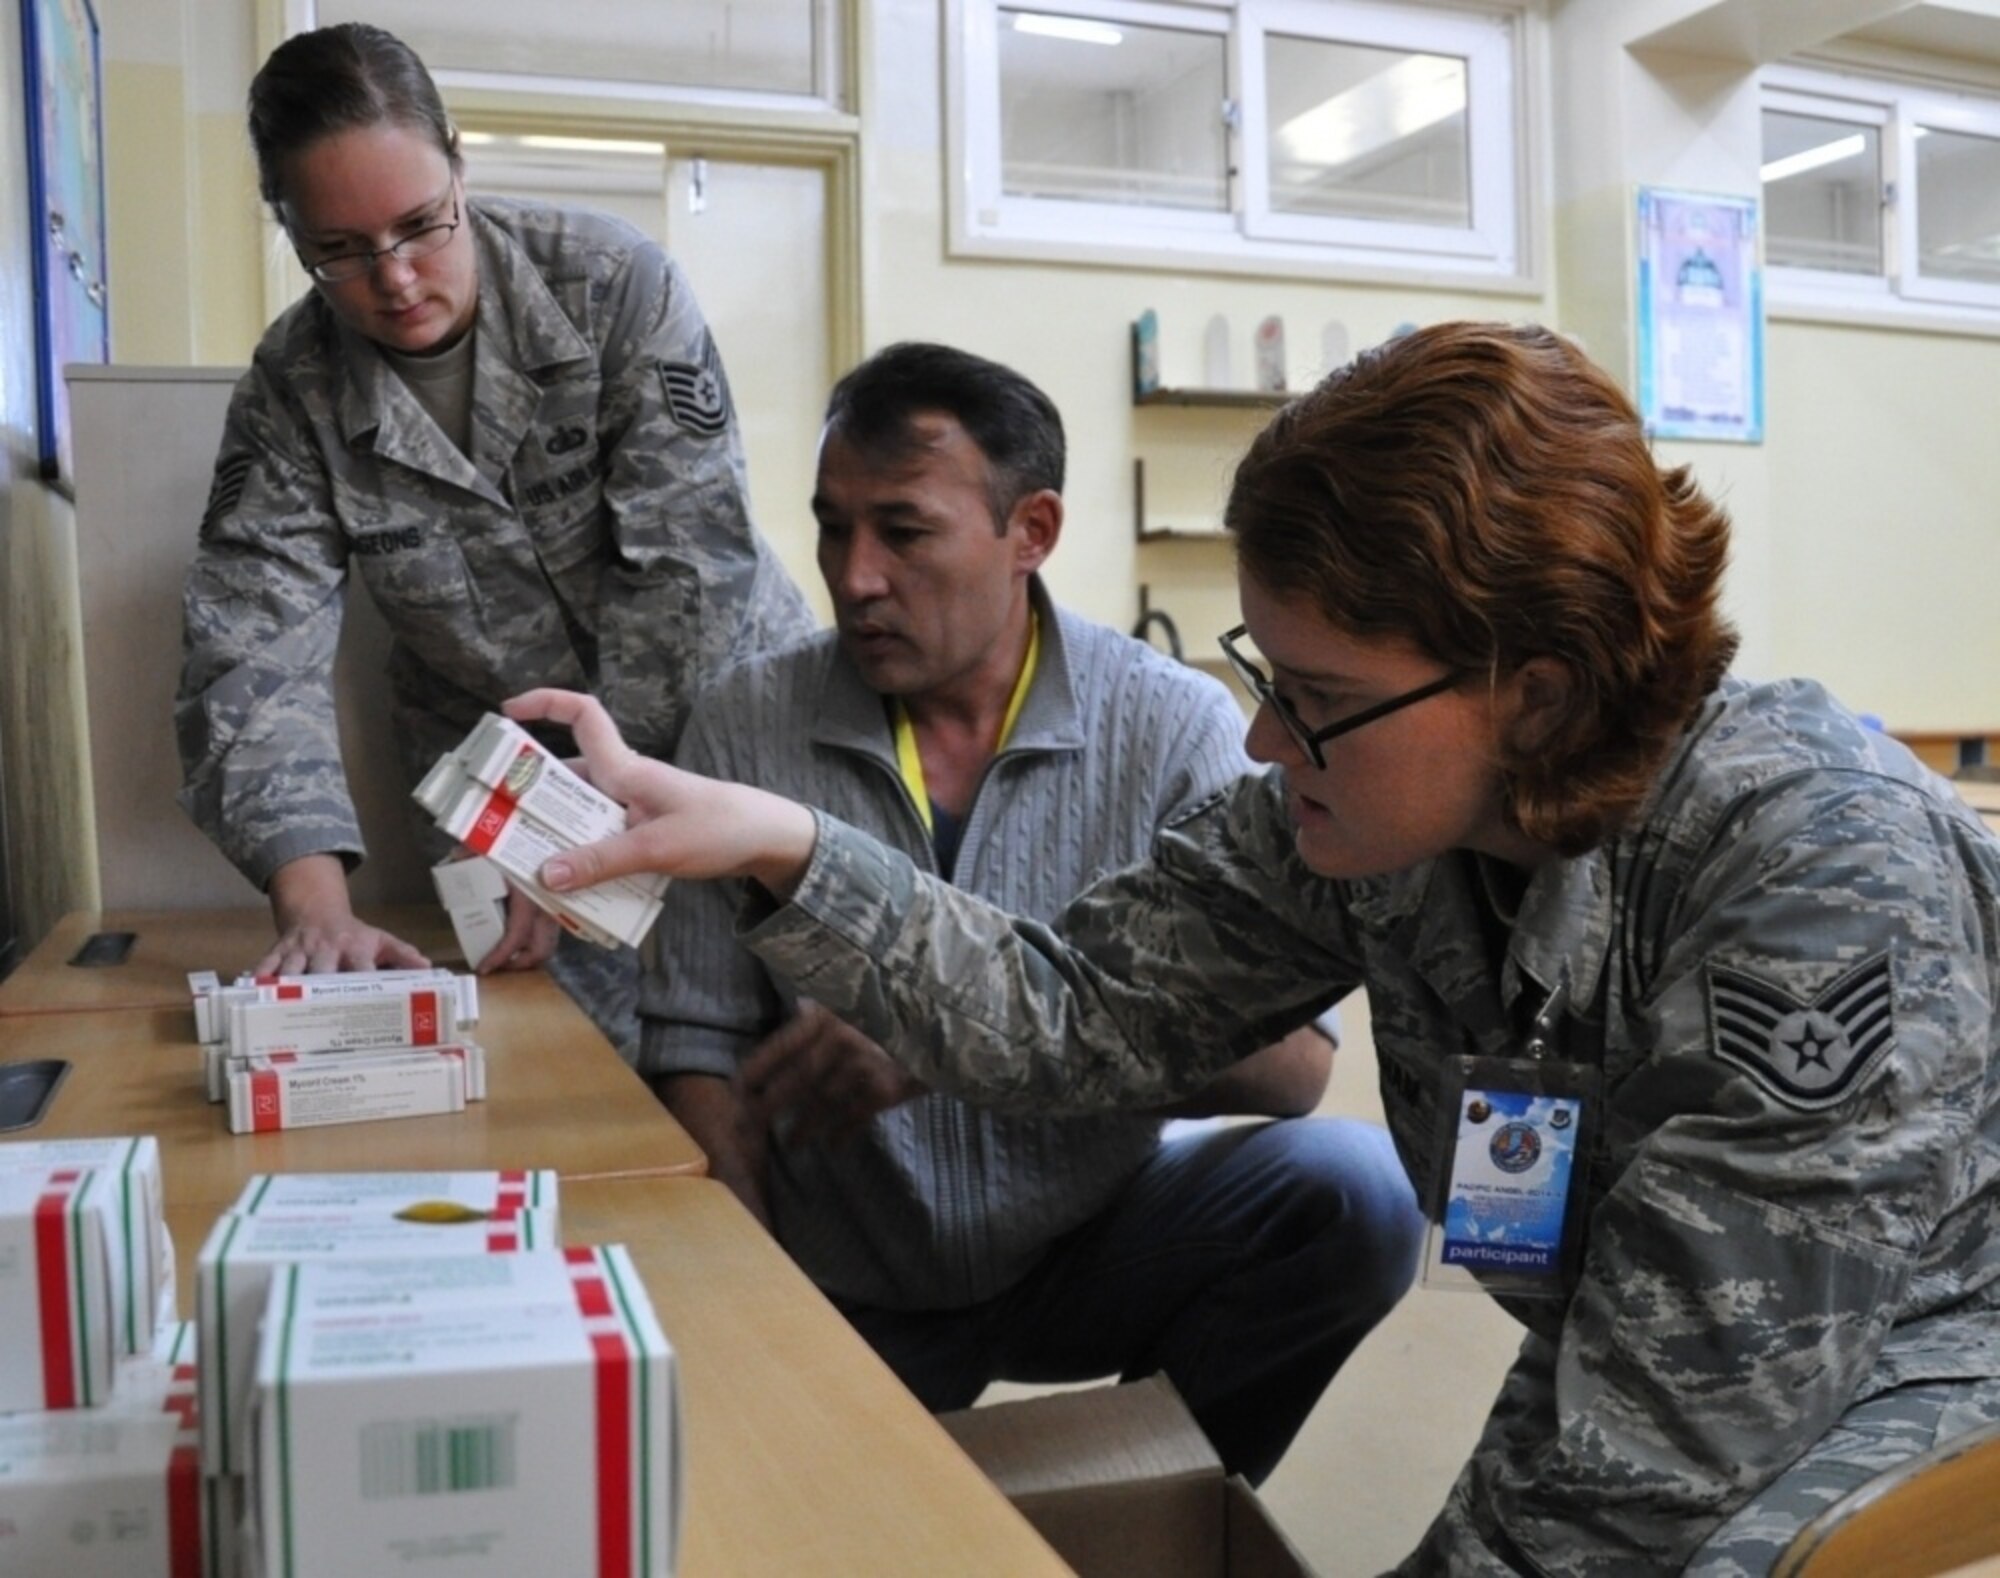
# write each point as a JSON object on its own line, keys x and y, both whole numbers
{"x": 1701, "y": 317}
{"x": 66, "y": 190}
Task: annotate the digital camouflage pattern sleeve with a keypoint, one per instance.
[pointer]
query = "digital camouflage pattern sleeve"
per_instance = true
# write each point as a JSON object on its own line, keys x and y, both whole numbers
{"x": 1209, "y": 950}
{"x": 259, "y": 742}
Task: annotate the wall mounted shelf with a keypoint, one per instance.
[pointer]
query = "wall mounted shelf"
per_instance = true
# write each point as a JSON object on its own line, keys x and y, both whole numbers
{"x": 1147, "y": 533}
{"x": 1243, "y": 399}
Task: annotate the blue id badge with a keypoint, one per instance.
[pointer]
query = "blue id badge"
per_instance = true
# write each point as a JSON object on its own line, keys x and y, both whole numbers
{"x": 1514, "y": 1137}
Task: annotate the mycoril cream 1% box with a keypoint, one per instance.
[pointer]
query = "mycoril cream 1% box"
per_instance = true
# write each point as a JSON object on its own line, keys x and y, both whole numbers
{"x": 212, "y": 998}
{"x": 58, "y": 1319}
{"x": 486, "y": 822}
{"x": 416, "y": 1016}
{"x": 267, "y": 1094}
{"x": 233, "y": 1277}
{"x": 142, "y": 1255}
{"x": 520, "y": 1414}
{"x": 503, "y": 756}
{"x": 112, "y": 1492}
{"x": 218, "y": 1067}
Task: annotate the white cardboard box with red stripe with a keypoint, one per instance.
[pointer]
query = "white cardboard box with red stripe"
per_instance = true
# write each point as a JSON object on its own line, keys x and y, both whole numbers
{"x": 505, "y": 797}
{"x": 421, "y": 1196}
{"x": 243, "y": 1252}
{"x": 502, "y": 755}
{"x": 129, "y": 1194}
{"x": 213, "y": 1000}
{"x": 518, "y": 1413}
{"x": 114, "y": 1492}
{"x": 57, "y": 1322}
{"x": 288, "y": 1092}
{"x": 488, "y": 823}
{"x": 419, "y": 1016}
{"x": 219, "y": 1068}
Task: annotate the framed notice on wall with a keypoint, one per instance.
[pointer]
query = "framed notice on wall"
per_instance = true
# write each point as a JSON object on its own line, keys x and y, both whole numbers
{"x": 1701, "y": 317}
{"x": 66, "y": 191}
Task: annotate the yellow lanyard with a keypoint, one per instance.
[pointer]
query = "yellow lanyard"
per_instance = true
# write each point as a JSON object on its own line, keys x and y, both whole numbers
{"x": 911, "y": 764}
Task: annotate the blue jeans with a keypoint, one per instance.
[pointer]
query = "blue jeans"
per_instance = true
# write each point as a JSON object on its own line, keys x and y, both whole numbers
{"x": 1246, "y": 1262}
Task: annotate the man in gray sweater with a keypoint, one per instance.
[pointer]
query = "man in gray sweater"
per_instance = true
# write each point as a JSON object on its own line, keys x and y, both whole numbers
{"x": 1020, "y": 751}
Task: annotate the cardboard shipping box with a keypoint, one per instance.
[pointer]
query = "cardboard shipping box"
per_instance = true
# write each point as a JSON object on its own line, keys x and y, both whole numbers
{"x": 1120, "y": 1480}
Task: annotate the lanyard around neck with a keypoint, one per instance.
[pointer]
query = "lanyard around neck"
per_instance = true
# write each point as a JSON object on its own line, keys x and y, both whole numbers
{"x": 910, "y": 763}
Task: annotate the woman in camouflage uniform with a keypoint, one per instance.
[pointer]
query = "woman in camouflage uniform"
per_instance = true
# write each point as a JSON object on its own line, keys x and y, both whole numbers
{"x": 1515, "y": 795}
{"x": 511, "y": 420}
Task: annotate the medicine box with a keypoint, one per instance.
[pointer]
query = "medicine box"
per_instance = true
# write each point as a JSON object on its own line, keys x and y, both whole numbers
{"x": 267, "y": 1094}
{"x": 57, "y": 1326}
{"x": 112, "y": 1492}
{"x": 142, "y": 1256}
{"x": 417, "y": 1016}
{"x": 233, "y": 1277}
{"x": 523, "y": 1410}
{"x": 426, "y": 1197}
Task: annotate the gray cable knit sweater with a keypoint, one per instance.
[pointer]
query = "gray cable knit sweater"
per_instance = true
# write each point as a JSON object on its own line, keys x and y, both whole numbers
{"x": 938, "y": 1205}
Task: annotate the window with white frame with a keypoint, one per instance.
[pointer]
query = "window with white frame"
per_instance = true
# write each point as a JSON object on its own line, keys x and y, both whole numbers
{"x": 1293, "y": 135}
{"x": 773, "y": 54}
{"x": 1880, "y": 195}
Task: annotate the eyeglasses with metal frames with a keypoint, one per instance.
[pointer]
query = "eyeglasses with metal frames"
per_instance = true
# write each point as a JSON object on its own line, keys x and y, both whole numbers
{"x": 345, "y": 266}
{"x": 1313, "y": 741}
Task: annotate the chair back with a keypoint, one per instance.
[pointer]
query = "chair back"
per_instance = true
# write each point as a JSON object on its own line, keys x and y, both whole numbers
{"x": 1930, "y": 1516}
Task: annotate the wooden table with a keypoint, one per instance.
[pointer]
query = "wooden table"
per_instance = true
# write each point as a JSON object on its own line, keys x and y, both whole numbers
{"x": 804, "y": 1453}
{"x": 167, "y": 945}
{"x": 559, "y": 1096}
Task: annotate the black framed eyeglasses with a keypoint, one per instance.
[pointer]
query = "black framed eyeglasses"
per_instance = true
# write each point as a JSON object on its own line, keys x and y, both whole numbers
{"x": 1311, "y": 741}
{"x": 344, "y": 266}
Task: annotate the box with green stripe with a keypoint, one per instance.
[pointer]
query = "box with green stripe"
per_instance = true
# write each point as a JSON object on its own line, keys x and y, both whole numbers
{"x": 519, "y": 1412}
{"x": 130, "y": 1195}
{"x": 244, "y": 1252}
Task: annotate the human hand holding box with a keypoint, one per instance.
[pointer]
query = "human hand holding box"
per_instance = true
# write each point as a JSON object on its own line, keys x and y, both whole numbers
{"x": 505, "y": 797}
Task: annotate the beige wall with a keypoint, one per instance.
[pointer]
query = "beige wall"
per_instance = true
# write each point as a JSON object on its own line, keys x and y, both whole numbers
{"x": 1885, "y": 459}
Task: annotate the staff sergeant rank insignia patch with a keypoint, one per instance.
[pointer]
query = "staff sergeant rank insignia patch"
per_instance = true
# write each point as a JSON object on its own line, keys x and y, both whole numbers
{"x": 1807, "y": 1054}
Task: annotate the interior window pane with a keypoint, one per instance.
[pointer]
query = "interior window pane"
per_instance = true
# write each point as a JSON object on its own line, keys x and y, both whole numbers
{"x": 1111, "y": 112}
{"x": 1365, "y": 133}
{"x": 743, "y": 45}
{"x": 1958, "y": 205}
{"x": 1822, "y": 193}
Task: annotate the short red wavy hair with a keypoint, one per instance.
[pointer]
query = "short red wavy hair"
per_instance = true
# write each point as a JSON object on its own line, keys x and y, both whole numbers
{"x": 1486, "y": 493}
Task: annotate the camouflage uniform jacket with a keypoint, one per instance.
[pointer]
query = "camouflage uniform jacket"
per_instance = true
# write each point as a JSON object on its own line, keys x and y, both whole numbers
{"x": 598, "y": 537}
{"x": 1785, "y": 969}
{"x": 939, "y": 1205}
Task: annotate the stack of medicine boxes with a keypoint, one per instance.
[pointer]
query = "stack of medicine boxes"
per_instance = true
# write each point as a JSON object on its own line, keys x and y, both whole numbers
{"x": 398, "y": 1364}
{"x": 502, "y": 795}
{"x": 99, "y": 1462}
{"x": 291, "y": 1052}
